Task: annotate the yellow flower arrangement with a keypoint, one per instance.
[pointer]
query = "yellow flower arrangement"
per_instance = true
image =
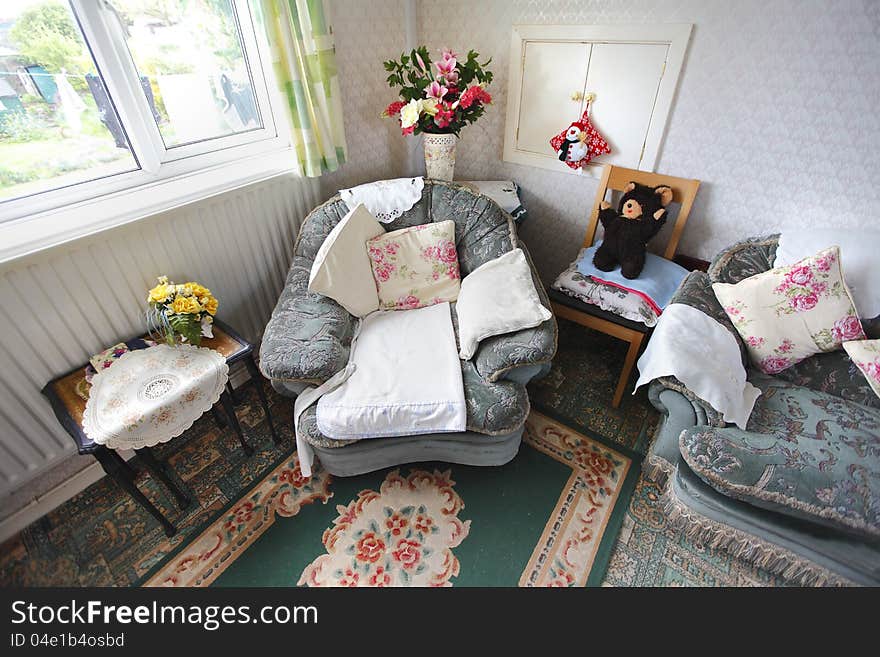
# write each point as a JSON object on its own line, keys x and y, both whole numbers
{"x": 209, "y": 303}
{"x": 159, "y": 293}
{"x": 182, "y": 304}
{"x": 185, "y": 311}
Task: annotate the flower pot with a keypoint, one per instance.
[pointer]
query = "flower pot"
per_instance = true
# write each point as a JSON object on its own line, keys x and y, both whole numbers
{"x": 177, "y": 329}
{"x": 439, "y": 155}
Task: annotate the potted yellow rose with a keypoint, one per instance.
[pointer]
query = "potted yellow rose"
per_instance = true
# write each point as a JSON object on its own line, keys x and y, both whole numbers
{"x": 181, "y": 312}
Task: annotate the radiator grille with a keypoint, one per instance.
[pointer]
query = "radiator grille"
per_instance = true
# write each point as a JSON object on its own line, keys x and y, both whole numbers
{"x": 60, "y": 306}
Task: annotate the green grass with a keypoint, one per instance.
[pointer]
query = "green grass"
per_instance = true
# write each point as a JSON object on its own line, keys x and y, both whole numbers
{"x": 47, "y": 157}
{"x": 26, "y": 167}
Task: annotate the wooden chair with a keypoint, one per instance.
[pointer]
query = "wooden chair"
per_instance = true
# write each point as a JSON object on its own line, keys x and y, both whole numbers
{"x": 616, "y": 178}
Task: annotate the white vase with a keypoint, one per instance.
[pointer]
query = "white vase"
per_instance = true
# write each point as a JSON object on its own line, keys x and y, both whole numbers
{"x": 439, "y": 155}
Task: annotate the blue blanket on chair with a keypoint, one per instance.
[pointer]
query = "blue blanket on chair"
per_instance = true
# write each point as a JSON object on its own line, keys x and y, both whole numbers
{"x": 656, "y": 284}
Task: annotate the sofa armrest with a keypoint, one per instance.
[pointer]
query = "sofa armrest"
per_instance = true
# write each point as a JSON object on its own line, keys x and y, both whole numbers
{"x": 500, "y": 356}
{"x": 308, "y": 337}
{"x": 705, "y": 412}
{"x": 743, "y": 259}
{"x": 679, "y": 413}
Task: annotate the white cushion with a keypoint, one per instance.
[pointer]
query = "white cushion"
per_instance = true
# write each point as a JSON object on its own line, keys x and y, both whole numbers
{"x": 858, "y": 252}
{"x": 406, "y": 379}
{"x": 341, "y": 269}
{"x": 623, "y": 303}
{"x": 497, "y": 297}
{"x": 790, "y": 313}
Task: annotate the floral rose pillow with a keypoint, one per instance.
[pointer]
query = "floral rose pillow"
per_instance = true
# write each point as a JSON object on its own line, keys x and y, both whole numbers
{"x": 866, "y": 355}
{"x": 790, "y": 313}
{"x": 415, "y": 267}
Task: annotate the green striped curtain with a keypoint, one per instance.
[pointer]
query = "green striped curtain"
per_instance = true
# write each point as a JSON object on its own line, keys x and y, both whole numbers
{"x": 304, "y": 59}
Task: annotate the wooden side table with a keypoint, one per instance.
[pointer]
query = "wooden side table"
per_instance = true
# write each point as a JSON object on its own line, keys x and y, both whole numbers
{"x": 68, "y": 393}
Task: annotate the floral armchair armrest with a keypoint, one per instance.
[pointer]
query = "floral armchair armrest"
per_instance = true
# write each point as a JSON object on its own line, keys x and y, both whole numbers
{"x": 500, "y": 356}
{"x": 308, "y": 337}
{"x": 696, "y": 291}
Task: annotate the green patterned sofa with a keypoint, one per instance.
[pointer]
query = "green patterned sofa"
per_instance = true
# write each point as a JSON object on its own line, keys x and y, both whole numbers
{"x": 307, "y": 340}
{"x": 797, "y": 492}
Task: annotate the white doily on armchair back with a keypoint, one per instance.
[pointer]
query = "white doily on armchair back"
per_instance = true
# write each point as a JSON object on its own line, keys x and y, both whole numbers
{"x": 150, "y": 396}
{"x": 385, "y": 199}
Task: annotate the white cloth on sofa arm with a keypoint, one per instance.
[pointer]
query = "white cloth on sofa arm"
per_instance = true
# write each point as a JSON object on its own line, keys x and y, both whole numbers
{"x": 406, "y": 379}
{"x": 303, "y": 401}
{"x": 385, "y": 199}
{"x": 704, "y": 356}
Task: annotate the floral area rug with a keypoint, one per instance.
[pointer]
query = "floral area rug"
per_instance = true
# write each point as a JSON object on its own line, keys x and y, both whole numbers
{"x": 549, "y": 518}
{"x": 572, "y": 509}
{"x": 649, "y": 550}
{"x": 101, "y": 537}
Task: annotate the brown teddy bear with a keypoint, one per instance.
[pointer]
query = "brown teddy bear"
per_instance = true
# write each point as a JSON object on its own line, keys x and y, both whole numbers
{"x": 640, "y": 216}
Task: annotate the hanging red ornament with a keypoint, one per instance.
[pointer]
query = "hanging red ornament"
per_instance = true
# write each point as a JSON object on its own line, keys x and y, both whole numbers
{"x": 580, "y": 142}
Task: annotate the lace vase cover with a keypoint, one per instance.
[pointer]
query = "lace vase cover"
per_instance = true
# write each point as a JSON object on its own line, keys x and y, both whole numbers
{"x": 150, "y": 396}
{"x": 385, "y": 199}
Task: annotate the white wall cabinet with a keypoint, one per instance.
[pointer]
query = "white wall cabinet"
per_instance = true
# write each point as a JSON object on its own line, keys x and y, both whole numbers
{"x": 632, "y": 70}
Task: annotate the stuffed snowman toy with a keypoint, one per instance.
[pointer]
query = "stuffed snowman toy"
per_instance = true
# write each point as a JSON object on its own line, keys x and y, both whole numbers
{"x": 579, "y": 143}
{"x": 574, "y": 147}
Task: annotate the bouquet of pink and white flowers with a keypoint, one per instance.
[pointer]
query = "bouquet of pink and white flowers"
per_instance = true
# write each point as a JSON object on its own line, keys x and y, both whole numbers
{"x": 438, "y": 97}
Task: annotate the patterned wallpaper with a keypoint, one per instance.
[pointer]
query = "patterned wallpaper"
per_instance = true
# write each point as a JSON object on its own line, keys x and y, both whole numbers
{"x": 775, "y": 111}
{"x": 367, "y": 32}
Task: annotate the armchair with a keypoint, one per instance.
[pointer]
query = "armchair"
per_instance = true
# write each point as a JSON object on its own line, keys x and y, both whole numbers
{"x": 307, "y": 340}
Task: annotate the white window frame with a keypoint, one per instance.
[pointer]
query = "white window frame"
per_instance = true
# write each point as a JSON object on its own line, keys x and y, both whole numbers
{"x": 675, "y": 35}
{"x": 167, "y": 177}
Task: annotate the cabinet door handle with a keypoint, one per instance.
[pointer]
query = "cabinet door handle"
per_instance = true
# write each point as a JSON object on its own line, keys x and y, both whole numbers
{"x": 579, "y": 96}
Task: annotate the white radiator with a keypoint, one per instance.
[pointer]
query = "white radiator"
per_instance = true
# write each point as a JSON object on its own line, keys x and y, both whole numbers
{"x": 60, "y": 306}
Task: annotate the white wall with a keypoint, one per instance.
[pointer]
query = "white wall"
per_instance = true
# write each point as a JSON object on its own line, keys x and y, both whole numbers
{"x": 776, "y": 111}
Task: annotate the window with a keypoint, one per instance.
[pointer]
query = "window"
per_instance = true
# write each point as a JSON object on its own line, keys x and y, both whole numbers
{"x": 191, "y": 61}
{"x": 101, "y": 96}
{"x": 57, "y": 125}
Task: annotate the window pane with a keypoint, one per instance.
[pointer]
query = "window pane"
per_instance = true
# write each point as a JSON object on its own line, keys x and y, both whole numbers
{"x": 191, "y": 61}
{"x": 57, "y": 124}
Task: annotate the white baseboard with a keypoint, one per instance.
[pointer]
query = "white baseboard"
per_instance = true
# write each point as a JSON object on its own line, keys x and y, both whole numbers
{"x": 46, "y": 502}
{"x": 43, "y": 504}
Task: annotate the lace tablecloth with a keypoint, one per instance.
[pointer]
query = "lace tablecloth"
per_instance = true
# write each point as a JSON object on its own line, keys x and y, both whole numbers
{"x": 150, "y": 396}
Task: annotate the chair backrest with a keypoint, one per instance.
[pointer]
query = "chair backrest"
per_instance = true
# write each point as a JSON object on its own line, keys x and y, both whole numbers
{"x": 440, "y": 200}
{"x": 684, "y": 190}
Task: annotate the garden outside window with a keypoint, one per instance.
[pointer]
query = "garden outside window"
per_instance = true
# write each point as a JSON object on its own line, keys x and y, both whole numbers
{"x": 99, "y": 97}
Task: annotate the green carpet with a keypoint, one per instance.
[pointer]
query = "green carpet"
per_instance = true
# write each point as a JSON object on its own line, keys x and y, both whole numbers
{"x": 501, "y": 533}
{"x": 649, "y": 550}
{"x": 101, "y": 537}
{"x": 495, "y": 550}
{"x": 547, "y": 518}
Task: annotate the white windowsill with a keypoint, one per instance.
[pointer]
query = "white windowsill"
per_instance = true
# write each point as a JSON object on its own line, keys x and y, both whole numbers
{"x": 30, "y": 234}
